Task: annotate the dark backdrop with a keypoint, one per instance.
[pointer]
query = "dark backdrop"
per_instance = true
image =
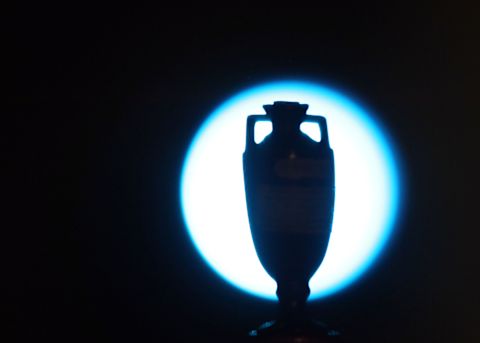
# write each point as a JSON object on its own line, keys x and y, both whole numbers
{"x": 100, "y": 110}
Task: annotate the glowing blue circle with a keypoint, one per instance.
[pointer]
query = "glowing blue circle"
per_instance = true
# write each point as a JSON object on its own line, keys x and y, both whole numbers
{"x": 367, "y": 188}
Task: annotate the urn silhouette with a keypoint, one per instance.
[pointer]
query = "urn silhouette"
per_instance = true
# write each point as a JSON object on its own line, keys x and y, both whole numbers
{"x": 290, "y": 194}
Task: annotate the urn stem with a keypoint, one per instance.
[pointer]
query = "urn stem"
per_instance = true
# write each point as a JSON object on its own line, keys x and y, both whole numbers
{"x": 292, "y": 296}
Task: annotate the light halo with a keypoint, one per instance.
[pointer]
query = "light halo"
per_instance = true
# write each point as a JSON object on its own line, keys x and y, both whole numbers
{"x": 367, "y": 188}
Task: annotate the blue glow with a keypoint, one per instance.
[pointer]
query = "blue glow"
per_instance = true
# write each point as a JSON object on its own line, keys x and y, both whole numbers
{"x": 367, "y": 188}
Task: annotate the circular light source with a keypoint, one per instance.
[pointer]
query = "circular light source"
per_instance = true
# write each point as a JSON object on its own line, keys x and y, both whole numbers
{"x": 213, "y": 196}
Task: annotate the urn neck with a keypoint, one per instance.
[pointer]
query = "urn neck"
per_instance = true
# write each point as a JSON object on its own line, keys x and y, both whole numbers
{"x": 286, "y": 117}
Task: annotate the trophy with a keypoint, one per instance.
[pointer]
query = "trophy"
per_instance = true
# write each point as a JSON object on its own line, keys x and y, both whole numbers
{"x": 290, "y": 193}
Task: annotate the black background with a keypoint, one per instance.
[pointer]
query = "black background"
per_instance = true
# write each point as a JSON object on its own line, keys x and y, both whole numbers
{"x": 102, "y": 105}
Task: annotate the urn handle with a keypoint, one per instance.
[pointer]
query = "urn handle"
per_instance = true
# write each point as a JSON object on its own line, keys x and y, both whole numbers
{"x": 322, "y": 123}
{"x": 251, "y": 121}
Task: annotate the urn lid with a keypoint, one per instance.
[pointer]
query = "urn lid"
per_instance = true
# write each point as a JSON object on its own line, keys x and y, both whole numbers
{"x": 289, "y": 108}
{"x": 286, "y": 116}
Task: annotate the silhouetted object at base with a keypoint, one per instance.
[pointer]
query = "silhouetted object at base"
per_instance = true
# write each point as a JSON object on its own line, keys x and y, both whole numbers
{"x": 290, "y": 192}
